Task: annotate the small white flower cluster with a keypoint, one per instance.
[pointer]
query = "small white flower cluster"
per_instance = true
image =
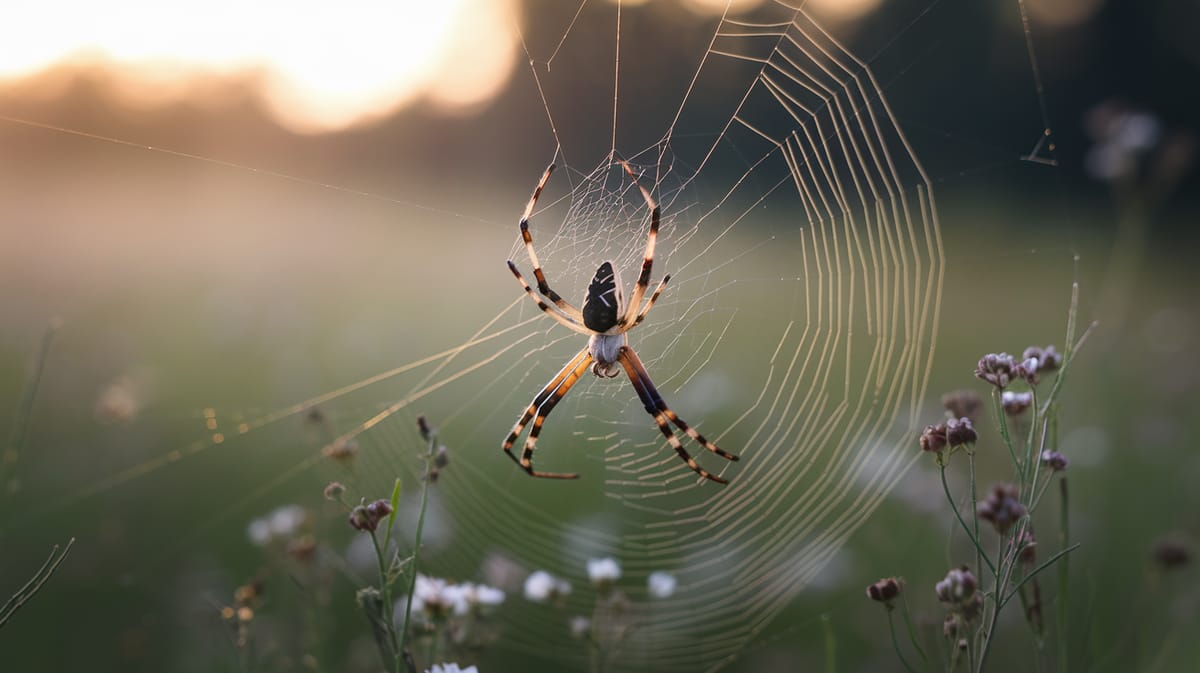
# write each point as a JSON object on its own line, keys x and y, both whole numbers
{"x": 282, "y": 523}
{"x": 603, "y": 571}
{"x": 541, "y": 586}
{"x": 451, "y": 668}
{"x": 435, "y": 597}
{"x": 660, "y": 584}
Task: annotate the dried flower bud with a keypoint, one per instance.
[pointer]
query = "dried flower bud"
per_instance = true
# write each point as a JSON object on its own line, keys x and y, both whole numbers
{"x": 1170, "y": 553}
{"x": 423, "y": 427}
{"x": 1026, "y": 547}
{"x": 957, "y": 588}
{"x": 885, "y": 589}
{"x": 962, "y": 403}
{"x": 1015, "y": 403}
{"x": 303, "y": 548}
{"x": 933, "y": 438}
{"x": 367, "y": 517}
{"x": 1002, "y": 508}
{"x": 334, "y": 490}
{"x": 1027, "y": 370}
{"x": 379, "y": 509}
{"x": 1055, "y": 460}
{"x": 441, "y": 458}
{"x": 1048, "y": 358}
{"x": 996, "y": 369}
{"x": 960, "y": 432}
{"x": 342, "y": 449}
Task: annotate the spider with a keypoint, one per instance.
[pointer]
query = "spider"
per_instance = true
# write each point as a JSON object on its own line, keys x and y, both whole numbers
{"x": 605, "y": 318}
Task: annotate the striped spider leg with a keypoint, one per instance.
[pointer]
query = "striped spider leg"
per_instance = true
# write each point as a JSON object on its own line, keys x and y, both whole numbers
{"x": 606, "y": 318}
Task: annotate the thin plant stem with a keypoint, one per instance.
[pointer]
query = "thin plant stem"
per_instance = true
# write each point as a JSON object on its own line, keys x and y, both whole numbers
{"x": 388, "y": 617}
{"x": 830, "y": 645}
{"x": 965, "y": 527}
{"x": 35, "y": 583}
{"x": 912, "y": 633}
{"x": 16, "y": 437}
{"x": 412, "y": 582}
{"x": 1002, "y": 424}
{"x": 975, "y": 511}
{"x": 1063, "y": 576}
{"x": 896, "y": 643}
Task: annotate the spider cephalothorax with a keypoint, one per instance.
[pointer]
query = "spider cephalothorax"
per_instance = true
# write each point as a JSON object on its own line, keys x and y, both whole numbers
{"x": 606, "y": 318}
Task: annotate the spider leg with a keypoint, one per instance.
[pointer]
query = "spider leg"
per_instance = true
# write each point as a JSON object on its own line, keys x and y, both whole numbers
{"x": 542, "y": 405}
{"x": 643, "y": 282}
{"x": 650, "y": 302}
{"x": 657, "y": 407}
{"x": 542, "y": 285}
{"x": 566, "y": 321}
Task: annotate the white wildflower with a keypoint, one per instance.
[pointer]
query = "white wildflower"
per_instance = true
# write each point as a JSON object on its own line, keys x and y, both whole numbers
{"x": 603, "y": 571}
{"x": 451, "y": 668}
{"x": 475, "y": 597}
{"x": 580, "y": 626}
{"x": 660, "y": 584}
{"x": 282, "y": 523}
{"x": 541, "y": 586}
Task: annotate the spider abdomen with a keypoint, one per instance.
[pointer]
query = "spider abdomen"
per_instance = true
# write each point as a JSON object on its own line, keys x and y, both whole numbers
{"x": 602, "y": 305}
{"x": 605, "y": 349}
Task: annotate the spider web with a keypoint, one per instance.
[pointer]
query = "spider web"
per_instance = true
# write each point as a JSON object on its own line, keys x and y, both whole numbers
{"x": 816, "y": 388}
{"x": 801, "y": 235}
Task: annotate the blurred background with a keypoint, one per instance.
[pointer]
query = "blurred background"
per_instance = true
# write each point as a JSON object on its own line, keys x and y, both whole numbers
{"x": 228, "y": 211}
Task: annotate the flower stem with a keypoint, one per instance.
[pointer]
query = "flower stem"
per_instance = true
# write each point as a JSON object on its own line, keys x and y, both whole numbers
{"x": 412, "y": 581}
{"x": 966, "y": 529}
{"x": 895, "y": 643}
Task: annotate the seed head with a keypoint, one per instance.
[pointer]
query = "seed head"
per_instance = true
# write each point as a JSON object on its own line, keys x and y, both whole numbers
{"x": 1002, "y": 508}
{"x": 334, "y": 490}
{"x": 996, "y": 369}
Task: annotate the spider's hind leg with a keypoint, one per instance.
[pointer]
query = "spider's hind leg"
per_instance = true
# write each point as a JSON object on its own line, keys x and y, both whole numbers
{"x": 540, "y": 408}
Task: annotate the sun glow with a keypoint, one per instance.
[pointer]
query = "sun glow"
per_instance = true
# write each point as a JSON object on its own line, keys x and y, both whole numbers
{"x": 320, "y": 65}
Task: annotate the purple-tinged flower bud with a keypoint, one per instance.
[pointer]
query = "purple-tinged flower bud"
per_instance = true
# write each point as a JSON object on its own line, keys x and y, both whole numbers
{"x": 360, "y": 519}
{"x": 996, "y": 369}
{"x": 1027, "y": 370}
{"x": 379, "y": 509}
{"x": 957, "y": 588}
{"x": 1026, "y": 548}
{"x": 1002, "y": 508}
{"x": 885, "y": 589}
{"x": 1055, "y": 460}
{"x": 960, "y": 432}
{"x": 1048, "y": 358}
{"x": 933, "y": 438}
{"x": 1015, "y": 403}
{"x": 963, "y": 403}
